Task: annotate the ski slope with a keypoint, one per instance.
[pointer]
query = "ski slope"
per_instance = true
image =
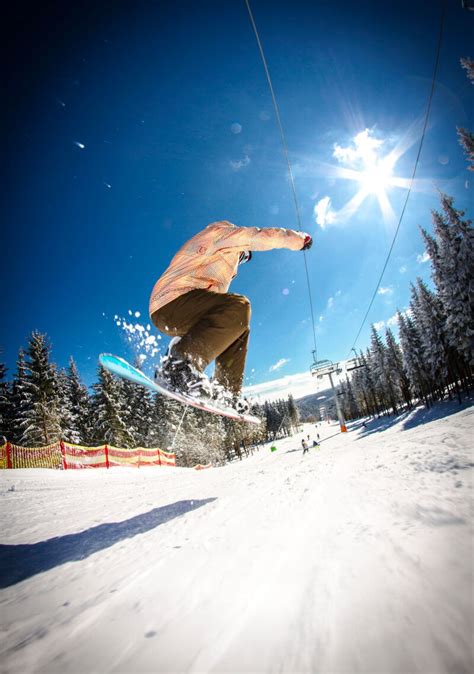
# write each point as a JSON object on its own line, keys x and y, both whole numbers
{"x": 355, "y": 558}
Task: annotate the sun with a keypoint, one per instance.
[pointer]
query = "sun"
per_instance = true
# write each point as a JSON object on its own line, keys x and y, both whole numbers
{"x": 364, "y": 162}
{"x": 376, "y": 177}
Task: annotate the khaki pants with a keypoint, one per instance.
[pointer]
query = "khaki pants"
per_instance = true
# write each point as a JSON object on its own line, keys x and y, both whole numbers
{"x": 212, "y": 326}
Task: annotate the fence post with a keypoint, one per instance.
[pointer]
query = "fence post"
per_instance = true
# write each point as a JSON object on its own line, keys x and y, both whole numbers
{"x": 9, "y": 455}
{"x": 106, "y": 456}
{"x": 63, "y": 454}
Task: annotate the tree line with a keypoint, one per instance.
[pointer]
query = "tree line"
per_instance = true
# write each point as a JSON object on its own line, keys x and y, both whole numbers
{"x": 435, "y": 353}
{"x": 43, "y": 404}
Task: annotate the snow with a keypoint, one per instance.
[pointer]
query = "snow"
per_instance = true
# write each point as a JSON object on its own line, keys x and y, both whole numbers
{"x": 356, "y": 557}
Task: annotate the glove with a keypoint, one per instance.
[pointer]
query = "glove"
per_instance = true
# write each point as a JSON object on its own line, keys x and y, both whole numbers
{"x": 308, "y": 242}
{"x": 245, "y": 256}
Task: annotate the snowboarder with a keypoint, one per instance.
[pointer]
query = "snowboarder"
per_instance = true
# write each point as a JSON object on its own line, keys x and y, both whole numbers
{"x": 191, "y": 303}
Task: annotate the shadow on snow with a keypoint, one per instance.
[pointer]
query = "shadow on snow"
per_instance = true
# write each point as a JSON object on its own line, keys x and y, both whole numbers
{"x": 19, "y": 562}
{"x": 412, "y": 418}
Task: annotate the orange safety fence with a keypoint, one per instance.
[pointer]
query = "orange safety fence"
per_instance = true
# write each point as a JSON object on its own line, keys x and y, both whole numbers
{"x": 67, "y": 456}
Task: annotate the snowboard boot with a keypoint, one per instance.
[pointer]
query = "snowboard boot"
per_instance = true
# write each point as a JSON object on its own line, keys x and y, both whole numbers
{"x": 181, "y": 375}
{"x": 225, "y": 398}
{"x": 240, "y": 405}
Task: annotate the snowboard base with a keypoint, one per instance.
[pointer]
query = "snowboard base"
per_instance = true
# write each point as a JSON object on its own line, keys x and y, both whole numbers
{"x": 120, "y": 367}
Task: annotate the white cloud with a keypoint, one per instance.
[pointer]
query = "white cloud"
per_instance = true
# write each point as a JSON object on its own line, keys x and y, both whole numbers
{"x": 330, "y": 302}
{"x": 402, "y": 269}
{"x": 421, "y": 259}
{"x": 237, "y": 165}
{"x": 363, "y": 149}
{"x": 323, "y": 213}
{"x": 393, "y": 320}
{"x": 379, "y": 325}
{"x": 385, "y": 291}
{"x": 279, "y": 364}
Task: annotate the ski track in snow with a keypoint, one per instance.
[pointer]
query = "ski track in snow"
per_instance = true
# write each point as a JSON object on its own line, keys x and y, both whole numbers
{"x": 355, "y": 558}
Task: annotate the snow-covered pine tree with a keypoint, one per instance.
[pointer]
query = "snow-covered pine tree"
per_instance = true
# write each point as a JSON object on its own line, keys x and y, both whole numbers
{"x": 79, "y": 407}
{"x": 140, "y": 411}
{"x": 466, "y": 138}
{"x": 383, "y": 376}
{"x": 109, "y": 411}
{"x": 200, "y": 438}
{"x": 369, "y": 382}
{"x": 170, "y": 424}
{"x": 413, "y": 358}
{"x": 40, "y": 420}
{"x": 155, "y": 436}
{"x": 452, "y": 260}
{"x": 293, "y": 413}
{"x": 19, "y": 399}
{"x": 65, "y": 413}
{"x": 358, "y": 385}
{"x": 352, "y": 409}
{"x": 212, "y": 434}
{"x": 5, "y": 405}
{"x": 394, "y": 359}
{"x": 458, "y": 296}
{"x": 430, "y": 320}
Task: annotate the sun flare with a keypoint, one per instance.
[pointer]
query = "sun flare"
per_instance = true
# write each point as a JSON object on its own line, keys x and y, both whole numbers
{"x": 376, "y": 178}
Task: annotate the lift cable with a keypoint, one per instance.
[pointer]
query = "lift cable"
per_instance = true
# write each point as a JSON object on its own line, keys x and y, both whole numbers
{"x": 427, "y": 114}
{"x": 287, "y": 157}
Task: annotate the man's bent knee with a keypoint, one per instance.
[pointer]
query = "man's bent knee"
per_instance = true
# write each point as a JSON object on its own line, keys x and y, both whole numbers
{"x": 243, "y": 308}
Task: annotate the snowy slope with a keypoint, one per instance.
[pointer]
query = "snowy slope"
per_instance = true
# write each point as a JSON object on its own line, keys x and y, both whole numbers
{"x": 356, "y": 557}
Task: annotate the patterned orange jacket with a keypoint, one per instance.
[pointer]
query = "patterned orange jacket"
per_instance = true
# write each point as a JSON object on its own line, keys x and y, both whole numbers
{"x": 210, "y": 259}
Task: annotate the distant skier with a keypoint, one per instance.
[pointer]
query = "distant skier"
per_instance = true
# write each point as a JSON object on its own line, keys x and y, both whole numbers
{"x": 190, "y": 302}
{"x": 304, "y": 444}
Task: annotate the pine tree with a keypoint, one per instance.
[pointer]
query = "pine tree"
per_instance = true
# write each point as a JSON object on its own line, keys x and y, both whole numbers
{"x": 430, "y": 319}
{"x": 65, "y": 413}
{"x": 352, "y": 409}
{"x": 139, "y": 411}
{"x": 156, "y": 433}
{"x": 395, "y": 364}
{"x": 369, "y": 383}
{"x": 383, "y": 377}
{"x": 79, "y": 408}
{"x": 5, "y": 406}
{"x": 40, "y": 419}
{"x": 19, "y": 399}
{"x": 413, "y": 358}
{"x": 109, "y": 411}
{"x": 293, "y": 413}
{"x": 452, "y": 264}
{"x": 466, "y": 138}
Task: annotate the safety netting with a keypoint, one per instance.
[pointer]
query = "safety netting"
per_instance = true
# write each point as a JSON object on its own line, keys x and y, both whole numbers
{"x": 64, "y": 455}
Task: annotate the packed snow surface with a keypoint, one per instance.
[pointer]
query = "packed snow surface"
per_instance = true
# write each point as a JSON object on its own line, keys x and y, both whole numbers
{"x": 356, "y": 557}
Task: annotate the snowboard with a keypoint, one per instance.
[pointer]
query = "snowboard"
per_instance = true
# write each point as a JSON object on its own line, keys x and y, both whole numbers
{"x": 120, "y": 367}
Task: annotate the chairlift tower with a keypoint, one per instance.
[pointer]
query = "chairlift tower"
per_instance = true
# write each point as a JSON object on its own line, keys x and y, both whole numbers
{"x": 326, "y": 368}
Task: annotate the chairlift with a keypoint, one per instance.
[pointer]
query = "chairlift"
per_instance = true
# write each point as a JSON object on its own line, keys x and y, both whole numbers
{"x": 354, "y": 364}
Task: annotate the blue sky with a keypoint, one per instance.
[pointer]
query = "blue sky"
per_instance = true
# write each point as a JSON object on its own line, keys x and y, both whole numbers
{"x": 132, "y": 126}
